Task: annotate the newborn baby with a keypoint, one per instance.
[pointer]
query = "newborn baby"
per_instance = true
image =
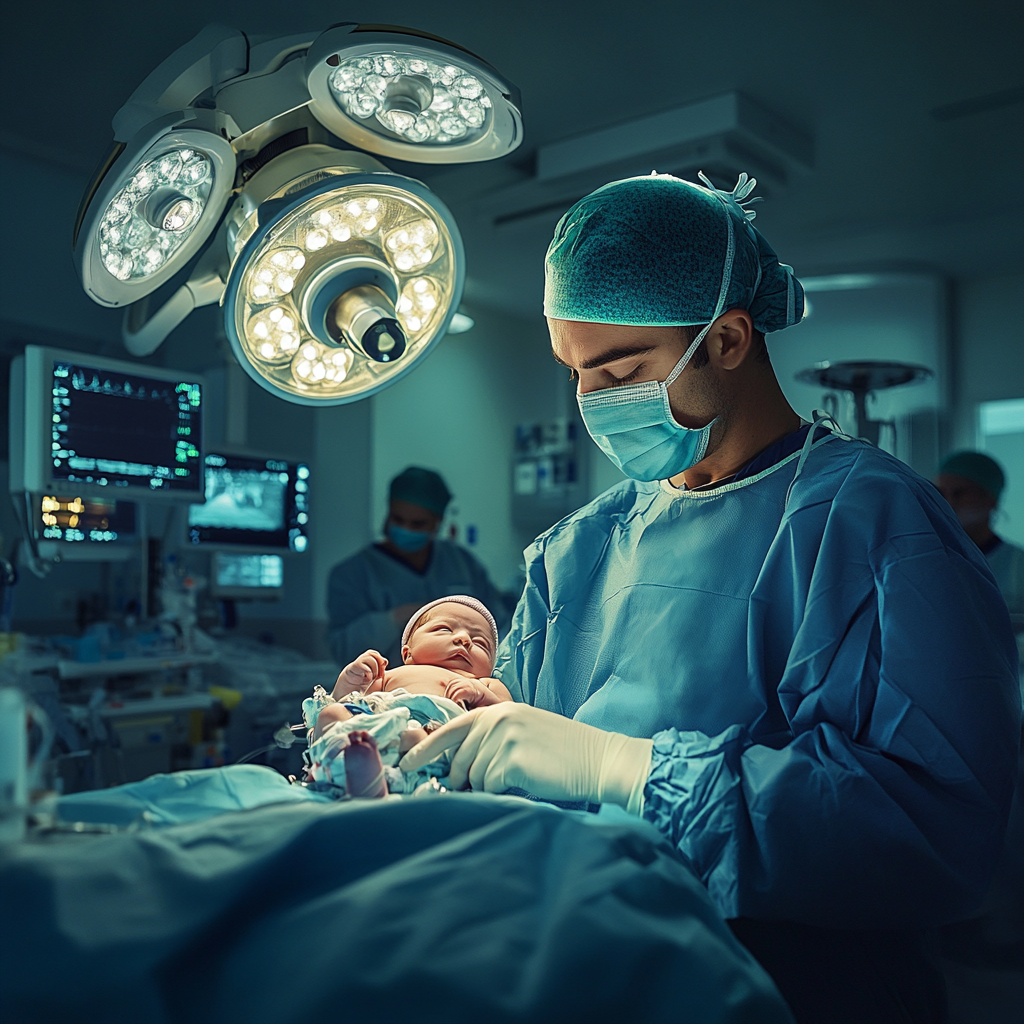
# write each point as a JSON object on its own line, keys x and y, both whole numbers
{"x": 448, "y": 650}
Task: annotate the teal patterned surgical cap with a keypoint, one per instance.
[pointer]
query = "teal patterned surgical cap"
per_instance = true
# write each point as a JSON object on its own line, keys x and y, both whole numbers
{"x": 659, "y": 251}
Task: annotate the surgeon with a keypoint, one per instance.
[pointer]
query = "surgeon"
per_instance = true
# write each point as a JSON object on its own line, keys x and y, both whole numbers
{"x": 371, "y": 595}
{"x": 774, "y": 642}
{"x": 973, "y": 483}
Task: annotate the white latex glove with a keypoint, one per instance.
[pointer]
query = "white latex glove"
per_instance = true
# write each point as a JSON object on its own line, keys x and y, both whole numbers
{"x": 507, "y": 746}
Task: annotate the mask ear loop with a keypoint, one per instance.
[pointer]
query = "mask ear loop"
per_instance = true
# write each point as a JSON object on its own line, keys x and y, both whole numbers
{"x": 723, "y": 291}
{"x": 818, "y": 418}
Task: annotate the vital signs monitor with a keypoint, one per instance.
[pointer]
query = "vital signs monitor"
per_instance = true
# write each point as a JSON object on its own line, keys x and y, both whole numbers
{"x": 85, "y": 426}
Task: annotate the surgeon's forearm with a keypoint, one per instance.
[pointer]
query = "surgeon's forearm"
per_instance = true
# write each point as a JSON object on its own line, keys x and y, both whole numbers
{"x": 823, "y": 831}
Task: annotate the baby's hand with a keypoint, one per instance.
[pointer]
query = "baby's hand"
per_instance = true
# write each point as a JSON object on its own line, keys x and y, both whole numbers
{"x": 361, "y": 673}
{"x": 471, "y": 692}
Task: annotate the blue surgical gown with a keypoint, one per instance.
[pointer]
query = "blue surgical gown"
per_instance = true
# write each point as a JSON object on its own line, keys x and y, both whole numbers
{"x": 830, "y": 682}
{"x": 362, "y": 590}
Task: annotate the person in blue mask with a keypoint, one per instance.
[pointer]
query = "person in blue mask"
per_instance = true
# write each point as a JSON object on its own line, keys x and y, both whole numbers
{"x": 774, "y": 642}
{"x": 371, "y": 595}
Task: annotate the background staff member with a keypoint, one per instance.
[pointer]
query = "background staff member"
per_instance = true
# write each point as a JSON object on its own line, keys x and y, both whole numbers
{"x": 371, "y": 595}
{"x": 972, "y": 483}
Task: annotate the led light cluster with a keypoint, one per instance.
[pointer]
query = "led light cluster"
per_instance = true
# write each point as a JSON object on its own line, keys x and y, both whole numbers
{"x": 417, "y": 303}
{"x": 275, "y": 334}
{"x": 314, "y": 365}
{"x": 412, "y": 246}
{"x": 153, "y": 214}
{"x": 354, "y": 219}
{"x": 420, "y": 100}
{"x": 275, "y": 274}
{"x": 381, "y": 224}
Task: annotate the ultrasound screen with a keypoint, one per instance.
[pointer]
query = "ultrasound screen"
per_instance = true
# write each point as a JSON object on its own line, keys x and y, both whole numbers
{"x": 242, "y": 499}
{"x": 254, "y": 502}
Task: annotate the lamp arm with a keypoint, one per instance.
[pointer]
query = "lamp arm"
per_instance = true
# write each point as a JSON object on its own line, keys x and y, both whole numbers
{"x": 143, "y": 333}
{"x": 215, "y": 56}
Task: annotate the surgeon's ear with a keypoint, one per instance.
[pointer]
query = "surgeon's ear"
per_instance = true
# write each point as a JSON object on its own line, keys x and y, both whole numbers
{"x": 731, "y": 339}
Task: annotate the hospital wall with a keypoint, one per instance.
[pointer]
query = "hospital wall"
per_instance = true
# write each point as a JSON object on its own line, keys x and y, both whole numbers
{"x": 902, "y": 317}
{"x": 989, "y": 349}
{"x": 989, "y": 368}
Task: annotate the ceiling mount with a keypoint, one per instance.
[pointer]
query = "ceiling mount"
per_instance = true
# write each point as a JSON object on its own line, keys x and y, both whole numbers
{"x": 722, "y": 136}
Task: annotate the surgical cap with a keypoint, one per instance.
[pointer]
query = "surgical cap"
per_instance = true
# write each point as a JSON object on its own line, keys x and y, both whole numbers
{"x": 660, "y": 251}
{"x": 985, "y": 472}
{"x": 421, "y": 487}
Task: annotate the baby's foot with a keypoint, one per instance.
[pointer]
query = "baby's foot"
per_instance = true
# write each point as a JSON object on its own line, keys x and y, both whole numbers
{"x": 364, "y": 772}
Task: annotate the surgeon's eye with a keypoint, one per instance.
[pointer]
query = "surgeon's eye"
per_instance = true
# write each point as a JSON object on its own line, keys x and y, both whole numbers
{"x": 619, "y": 381}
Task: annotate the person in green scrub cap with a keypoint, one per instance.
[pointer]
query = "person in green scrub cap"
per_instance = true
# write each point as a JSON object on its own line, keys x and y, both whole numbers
{"x": 973, "y": 483}
{"x": 371, "y": 595}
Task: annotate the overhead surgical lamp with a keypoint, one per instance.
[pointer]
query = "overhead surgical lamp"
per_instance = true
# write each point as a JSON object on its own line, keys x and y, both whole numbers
{"x": 241, "y": 173}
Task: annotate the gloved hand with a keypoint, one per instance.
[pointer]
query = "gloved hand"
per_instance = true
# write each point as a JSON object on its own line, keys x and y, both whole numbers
{"x": 516, "y": 745}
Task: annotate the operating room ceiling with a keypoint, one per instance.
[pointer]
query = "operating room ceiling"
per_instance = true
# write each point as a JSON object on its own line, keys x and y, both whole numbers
{"x": 914, "y": 111}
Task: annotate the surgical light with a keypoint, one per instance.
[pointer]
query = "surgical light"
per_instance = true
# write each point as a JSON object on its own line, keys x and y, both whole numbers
{"x": 154, "y": 213}
{"x": 405, "y": 94}
{"x": 419, "y": 100}
{"x": 233, "y": 179}
{"x": 348, "y": 283}
{"x": 145, "y": 222}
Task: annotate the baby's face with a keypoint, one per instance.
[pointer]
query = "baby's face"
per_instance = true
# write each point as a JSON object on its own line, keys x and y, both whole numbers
{"x": 455, "y": 637}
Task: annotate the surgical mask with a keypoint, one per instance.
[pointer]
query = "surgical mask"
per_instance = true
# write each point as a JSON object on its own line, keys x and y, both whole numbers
{"x": 409, "y": 541}
{"x": 634, "y": 426}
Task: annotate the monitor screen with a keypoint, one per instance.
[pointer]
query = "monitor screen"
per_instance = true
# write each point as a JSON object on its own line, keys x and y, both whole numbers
{"x": 86, "y": 520}
{"x": 242, "y": 575}
{"x": 252, "y": 501}
{"x": 117, "y": 429}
